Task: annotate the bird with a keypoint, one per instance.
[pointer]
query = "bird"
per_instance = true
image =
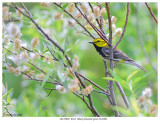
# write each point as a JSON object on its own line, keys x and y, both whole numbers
{"x": 118, "y": 56}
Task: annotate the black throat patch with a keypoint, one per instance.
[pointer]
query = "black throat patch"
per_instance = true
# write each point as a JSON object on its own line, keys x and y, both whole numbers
{"x": 99, "y": 50}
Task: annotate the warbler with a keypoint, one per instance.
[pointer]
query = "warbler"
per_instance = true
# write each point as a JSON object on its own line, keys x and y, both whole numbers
{"x": 118, "y": 56}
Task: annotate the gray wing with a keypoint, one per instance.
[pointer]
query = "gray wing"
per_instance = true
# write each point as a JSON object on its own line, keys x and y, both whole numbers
{"x": 117, "y": 54}
{"x": 105, "y": 51}
{"x": 121, "y": 55}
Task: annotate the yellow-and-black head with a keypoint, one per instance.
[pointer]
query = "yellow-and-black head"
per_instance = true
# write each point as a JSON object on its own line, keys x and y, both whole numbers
{"x": 99, "y": 42}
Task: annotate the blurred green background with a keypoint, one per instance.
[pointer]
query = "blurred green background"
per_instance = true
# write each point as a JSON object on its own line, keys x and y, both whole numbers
{"x": 30, "y": 99}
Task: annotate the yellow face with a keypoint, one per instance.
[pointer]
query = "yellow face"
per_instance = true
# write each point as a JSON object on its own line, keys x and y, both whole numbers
{"x": 99, "y": 42}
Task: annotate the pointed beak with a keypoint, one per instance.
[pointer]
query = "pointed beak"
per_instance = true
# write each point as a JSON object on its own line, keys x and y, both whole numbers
{"x": 91, "y": 42}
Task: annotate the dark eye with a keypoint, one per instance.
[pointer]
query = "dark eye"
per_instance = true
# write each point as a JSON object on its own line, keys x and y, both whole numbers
{"x": 98, "y": 41}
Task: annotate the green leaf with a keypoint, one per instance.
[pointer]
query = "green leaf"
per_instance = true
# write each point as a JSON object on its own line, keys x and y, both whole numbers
{"x": 44, "y": 64}
{"x": 118, "y": 78}
{"x": 123, "y": 83}
{"x": 138, "y": 86}
{"x": 40, "y": 111}
{"x": 35, "y": 18}
{"x": 45, "y": 51}
{"x": 131, "y": 75}
{"x": 138, "y": 79}
{"x": 125, "y": 111}
{"x": 45, "y": 41}
{"x": 36, "y": 50}
{"x": 47, "y": 76}
{"x": 10, "y": 62}
{"x": 94, "y": 3}
{"x": 46, "y": 114}
{"x": 10, "y": 47}
{"x": 64, "y": 45}
{"x": 59, "y": 26}
{"x": 8, "y": 99}
{"x": 65, "y": 6}
{"x": 60, "y": 75}
{"x": 73, "y": 45}
{"x": 27, "y": 23}
{"x": 4, "y": 79}
{"x": 109, "y": 78}
{"x": 41, "y": 46}
{"x": 7, "y": 93}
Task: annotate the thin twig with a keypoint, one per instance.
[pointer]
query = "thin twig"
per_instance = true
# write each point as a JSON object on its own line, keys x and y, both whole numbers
{"x": 114, "y": 103}
{"x": 124, "y": 29}
{"x": 152, "y": 14}
{"x": 11, "y": 20}
{"x": 43, "y": 72}
{"x": 93, "y": 12}
{"x": 99, "y": 32}
{"x": 40, "y": 29}
{"x": 51, "y": 53}
{"x": 83, "y": 100}
{"x": 94, "y": 111}
{"x": 9, "y": 51}
{"x": 91, "y": 82}
{"x": 31, "y": 51}
{"x": 50, "y": 92}
{"x": 8, "y": 5}
{"x": 37, "y": 81}
{"x": 108, "y": 83}
{"x": 47, "y": 81}
{"x": 26, "y": 9}
{"x": 105, "y": 93}
{"x": 122, "y": 94}
{"x": 101, "y": 22}
{"x": 8, "y": 111}
{"x": 67, "y": 58}
{"x": 110, "y": 37}
{"x": 75, "y": 20}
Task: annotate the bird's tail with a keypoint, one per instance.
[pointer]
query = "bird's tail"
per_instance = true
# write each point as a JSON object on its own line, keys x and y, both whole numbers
{"x": 135, "y": 64}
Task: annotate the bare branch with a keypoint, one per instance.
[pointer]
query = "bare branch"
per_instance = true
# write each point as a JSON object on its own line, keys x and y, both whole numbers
{"x": 40, "y": 29}
{"x": 124, "y": 29}
{"x": 75, "y": 20}
{"x": 93, "y": 12}
{"x": 8, "y": 5}
{"x": 122, "y": 94}
{"x": 152, "y": 14}
{"x": 50, "y": 92}
{"x": 9, "y": 51}
{"x": 52, "y": 53}
{"x": 26, "y": 9}
{"x": 83, "y": 100}
{"x": 37, "y": 81}
{"x": 114, "y": 103}
{"x": 46, "y": 81}
{"x": 31, "y": 51}
{"x": 110, "y": 37}
{"x": 11, "y": 20}
{"x": 108, "y": 83}
{"x": 8, "y": 111}
{"x": 101, "y": 92}
{"x": 91, "y": 82}
{"x": 99, "y": 32}
{"x": 94, "y": 111}
{"x": 101, "y": 22}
